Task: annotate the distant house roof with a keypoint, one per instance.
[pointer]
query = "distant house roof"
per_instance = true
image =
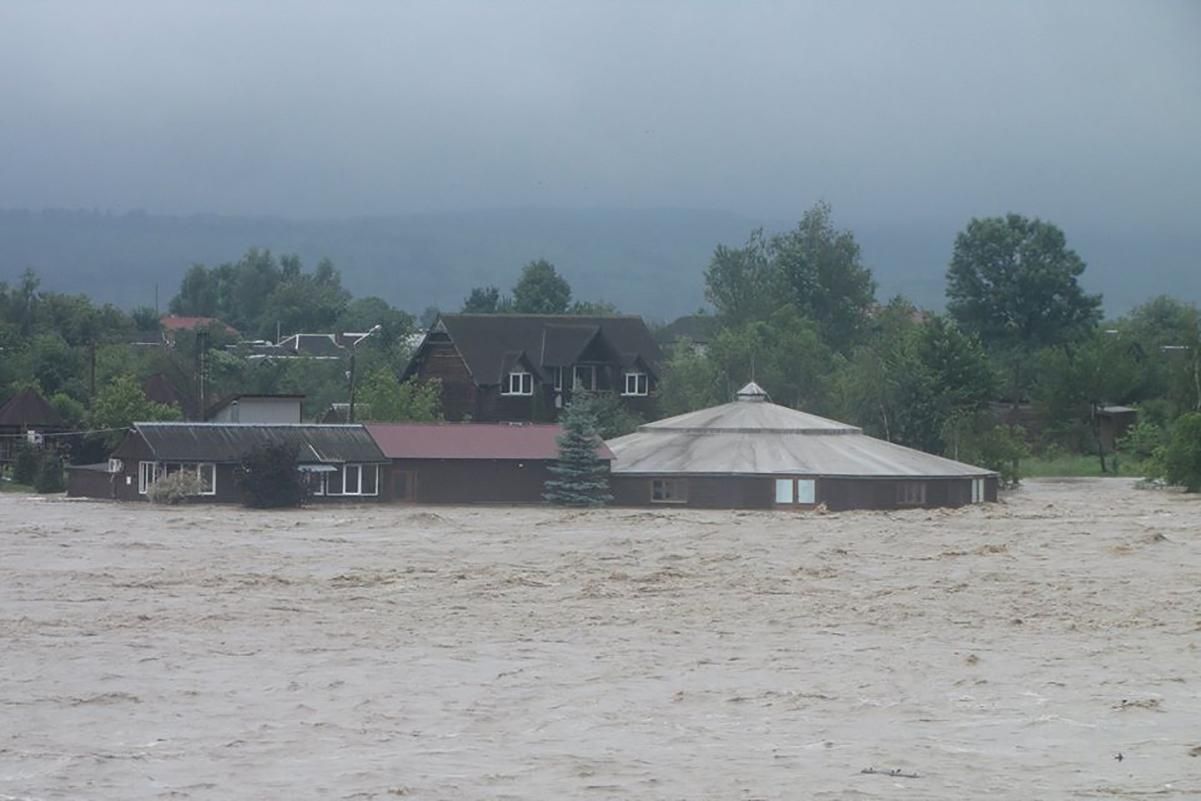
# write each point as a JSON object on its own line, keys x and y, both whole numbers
{"x": 1118, "y": 410}
{"x": 491, "y": 342}
{"x": 753, "y": 436}
{"x": 172, "y": 323}
{"x": 161, "y": 389}
{"x": 471, "y": 441}
{"x": 28, "y": 408}
{"x": 698, "y": 328}
{"x": 229, "y": 442}
{"x": 316, "y": 346}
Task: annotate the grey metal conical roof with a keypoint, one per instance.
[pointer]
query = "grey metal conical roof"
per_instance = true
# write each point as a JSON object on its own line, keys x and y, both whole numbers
{"x": 752, "y": 436}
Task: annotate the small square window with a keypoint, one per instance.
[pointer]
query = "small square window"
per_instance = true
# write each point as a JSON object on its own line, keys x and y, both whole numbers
{"x": 806, "y": 491}
{"x": 911, "y": 493}
{"x": 783, "y": 490}
{"x": 669, "y": 490}
{"x": 518, "y": 383}
{"x": 635, "y": 384}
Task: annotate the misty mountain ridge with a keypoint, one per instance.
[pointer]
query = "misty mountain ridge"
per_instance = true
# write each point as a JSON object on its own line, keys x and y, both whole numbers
{"x": 645, "y": 261}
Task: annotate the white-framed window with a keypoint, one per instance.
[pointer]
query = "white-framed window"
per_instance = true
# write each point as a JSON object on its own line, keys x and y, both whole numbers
{"x": 353, "y": 479}
{"x": 669, "y": 490}
{"x": 583, "y": 377}
{"x": 911, "y": 493}
{"x": 518, "y": 383}
{"x": 799, "y": 491}
{"x": 147, "y": 473}
{"x": 150, "y": 472}
{"x": 207, "y": 473}
{"x": 977, "y": 490}
{"x": 636, "y": 383}
{"x": 557, "y": 377}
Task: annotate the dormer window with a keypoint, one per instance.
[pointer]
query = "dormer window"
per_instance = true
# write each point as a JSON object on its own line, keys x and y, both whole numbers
{"x": 636, "y": 383}
{"x": 518, "y": 383}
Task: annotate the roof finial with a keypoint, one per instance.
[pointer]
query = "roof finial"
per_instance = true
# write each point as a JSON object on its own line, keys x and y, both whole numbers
{"x": 752, "y": 392}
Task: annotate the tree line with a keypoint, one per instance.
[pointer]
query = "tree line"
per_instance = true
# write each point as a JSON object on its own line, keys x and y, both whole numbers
{"x": 796, "y": 310}
{"x": 1021, "y": 346}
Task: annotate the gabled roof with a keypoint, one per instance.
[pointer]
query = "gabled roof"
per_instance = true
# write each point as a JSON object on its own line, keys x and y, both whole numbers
{"x": 228, "y": 442}
{"x": 28, "y": 408}
{"x": 547, "y": 340}
{"x": 527, "y": 441}
{"x": 753, "y": 436}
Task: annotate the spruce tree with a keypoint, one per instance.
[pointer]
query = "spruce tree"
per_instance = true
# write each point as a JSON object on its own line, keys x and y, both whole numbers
{"x": 581, "y": 477}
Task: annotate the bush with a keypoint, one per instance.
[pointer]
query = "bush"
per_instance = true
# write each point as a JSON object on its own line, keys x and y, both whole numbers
{"x": 1181, "y": 456}
{"x": 175, "y": 488}
{"x": 1142, "y": 441}
{"x": 979, "y": 440}
{"x": 268, "y": 478}
{"x": 49, "y": 476}
{"x": 25, "y": 464}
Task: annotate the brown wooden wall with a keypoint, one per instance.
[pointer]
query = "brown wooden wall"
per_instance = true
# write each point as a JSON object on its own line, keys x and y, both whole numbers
{"x": 441, "y": 361}
{"x": 465, "y": 481}
{"x": 758, "y": 492}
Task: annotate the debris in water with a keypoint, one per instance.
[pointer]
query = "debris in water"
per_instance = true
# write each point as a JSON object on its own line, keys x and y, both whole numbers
{"x": 895, "y": 772}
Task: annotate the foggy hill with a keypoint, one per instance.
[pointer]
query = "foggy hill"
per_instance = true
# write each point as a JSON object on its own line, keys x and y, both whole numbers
{"x": 644, "y": 261}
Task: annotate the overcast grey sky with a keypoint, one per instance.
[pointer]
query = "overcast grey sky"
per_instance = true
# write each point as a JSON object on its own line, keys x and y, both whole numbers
{"x": 1085, "y": 111}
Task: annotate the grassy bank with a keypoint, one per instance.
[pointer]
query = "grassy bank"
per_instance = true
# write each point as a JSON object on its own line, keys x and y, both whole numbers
{"x": 1078, "y": 465}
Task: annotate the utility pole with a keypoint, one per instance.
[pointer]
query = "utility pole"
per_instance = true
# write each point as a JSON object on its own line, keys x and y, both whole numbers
{"x": 92, "y": 369}
{"x": 350, "y": 374}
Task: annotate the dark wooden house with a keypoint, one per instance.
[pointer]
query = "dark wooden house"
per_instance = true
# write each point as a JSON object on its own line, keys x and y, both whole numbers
{"x": 754, "y": 454}
{"x": 515, "y": 367}
{"x": 26, "y": 417}
{"x": 491, "y": 463}
{"x": 341, "y": 462}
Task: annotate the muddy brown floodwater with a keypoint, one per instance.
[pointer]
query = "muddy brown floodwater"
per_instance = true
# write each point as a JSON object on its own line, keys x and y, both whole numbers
{"x": 1006, "y": 651}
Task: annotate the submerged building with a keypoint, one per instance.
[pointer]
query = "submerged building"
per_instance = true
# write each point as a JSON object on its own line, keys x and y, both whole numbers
{"x": 755, "y": 454}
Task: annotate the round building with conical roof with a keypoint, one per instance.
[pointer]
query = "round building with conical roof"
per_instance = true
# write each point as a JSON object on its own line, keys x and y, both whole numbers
{"x": 755, "y": 454}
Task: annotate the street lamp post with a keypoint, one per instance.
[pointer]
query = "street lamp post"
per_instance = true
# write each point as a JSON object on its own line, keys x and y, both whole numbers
{"x": 353, "y": 349}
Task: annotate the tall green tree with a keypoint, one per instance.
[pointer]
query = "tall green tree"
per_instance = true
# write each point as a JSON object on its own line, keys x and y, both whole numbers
{"x": 382, "y": 397}
{"x": 822, "y": 273}
{"x": 541, "y": 290}
{"x": 742, "y": 283}
{"x": 123, "y": 403}
{"x": 482, "y": 300}
{"x": 1014, "y": 282}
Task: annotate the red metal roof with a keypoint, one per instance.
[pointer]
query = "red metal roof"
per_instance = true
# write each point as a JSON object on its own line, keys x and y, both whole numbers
{"x": 173, "y": 322}
{"x": 470, "y": 441}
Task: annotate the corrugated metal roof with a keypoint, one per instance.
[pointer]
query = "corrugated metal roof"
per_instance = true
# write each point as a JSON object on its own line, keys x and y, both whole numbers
{"x": 228, "y": 442}
{"x": 754, "y": 437}
{"x": 470, "y": 441}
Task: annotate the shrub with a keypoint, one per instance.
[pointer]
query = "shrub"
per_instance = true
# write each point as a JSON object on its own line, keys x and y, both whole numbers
{"x": 268, "y": 478}
{"x": 25, "y": 464}
{"x": 49, "y": 476}
{"x": 977, "y": 439}
{"x": 1181, "y": 456}
{"x": 1142, "y": 440}
{"x": 175, "y": 488}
